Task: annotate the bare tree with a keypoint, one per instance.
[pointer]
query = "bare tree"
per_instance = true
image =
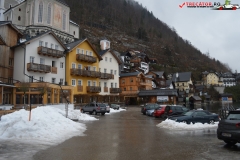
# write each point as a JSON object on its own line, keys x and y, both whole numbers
{"x": 43, "y": 89}
{"x": 24, "y": 87}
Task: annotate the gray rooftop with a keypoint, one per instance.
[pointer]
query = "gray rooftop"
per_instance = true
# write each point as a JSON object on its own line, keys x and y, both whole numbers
{"x": 74, "y": 44}
{"x": 182, "y": 77}
{"x": 129, "y": 74}
{"x": 158, "y": 92}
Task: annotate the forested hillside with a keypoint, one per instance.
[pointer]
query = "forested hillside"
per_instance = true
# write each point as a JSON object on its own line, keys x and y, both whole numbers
{"x": 128, "y": 25}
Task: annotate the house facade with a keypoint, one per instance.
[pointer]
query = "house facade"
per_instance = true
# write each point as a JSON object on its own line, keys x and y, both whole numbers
{"x": 159, "y": 79}
{"x": 228, "y": 79}
{"x": 131, "y": 84}
{"x": 109, "y": 65}
{"x": 82, "y": 71}
{"x": 9, "y": 36}
{"x": 34, "y": 17}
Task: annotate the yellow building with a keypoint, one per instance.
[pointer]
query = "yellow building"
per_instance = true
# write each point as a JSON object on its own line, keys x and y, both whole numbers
{"x": 82, "y": 71}
{"x": 212, "y": 79}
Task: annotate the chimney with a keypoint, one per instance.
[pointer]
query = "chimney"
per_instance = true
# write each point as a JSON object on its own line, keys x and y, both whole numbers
{"x": 105, "y": 44}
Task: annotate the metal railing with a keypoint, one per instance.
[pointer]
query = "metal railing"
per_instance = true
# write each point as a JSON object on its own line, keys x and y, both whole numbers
{"x": 38, "y": 67}
{"x": 50, "y": 52}
{"x": 93, "y": 89}
{"x": 86, "y": 58}
{"x": 115, "y": 90}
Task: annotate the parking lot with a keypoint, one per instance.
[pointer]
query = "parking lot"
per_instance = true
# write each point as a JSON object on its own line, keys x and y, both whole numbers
{"x": 131, "y": 135}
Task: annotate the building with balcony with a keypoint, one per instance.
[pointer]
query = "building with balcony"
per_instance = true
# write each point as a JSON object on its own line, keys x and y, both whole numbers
{"x": 159, "y": 79}
{"x": 82, "y": 71}
{"x": 9, "y": 36}
{"x": 131, "y": 84}
{"x": 109, "y": 80}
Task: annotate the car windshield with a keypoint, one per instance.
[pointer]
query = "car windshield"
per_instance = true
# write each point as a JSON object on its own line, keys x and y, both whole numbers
{"x": 188, "y": 113}
{"x": 233, "y": 116}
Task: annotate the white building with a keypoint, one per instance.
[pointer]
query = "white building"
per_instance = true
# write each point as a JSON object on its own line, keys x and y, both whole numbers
{"x": 37, "y": 16}
{"x": 109, "y": 65}
{"x": 40, "y": 58}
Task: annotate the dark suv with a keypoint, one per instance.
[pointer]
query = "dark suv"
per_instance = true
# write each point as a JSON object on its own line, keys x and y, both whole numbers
{"x": 94, "y": 108}
{"x": 174, "y": 110}
{"x": 229, "y": 128}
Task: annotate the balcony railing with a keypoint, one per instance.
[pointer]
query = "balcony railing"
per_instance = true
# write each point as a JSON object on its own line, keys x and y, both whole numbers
{"x": 50, "y": 52}
{"x": 107, "y": 76}
{"x": 86, "y": 58}
{"x": 38, "y": 67}
{"x": 80, "y": 88}
{"x": 93, "y": 89}
{"x": 115, "y": 90}
{"x": 54, "y": 70}
{"x": 85, "y": 73}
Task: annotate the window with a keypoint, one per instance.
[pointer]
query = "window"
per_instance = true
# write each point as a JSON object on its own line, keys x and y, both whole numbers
{"x": 79, "y": 66}
{"x": 73, "y": 82}
{"x": 73, "y": 32}
{"x": 32, "y": 14}
{"x": 56, "y": 47}
{"x": 73, "y": 65}
{"x": 30, "y": 79}
{"x": 115, "y": 85}
{"x": 19, "y": 18}
{"x": 10, "y": 62}
{"x": 61, "y": 64}
{"x": 31, "y": 59}
{"x": 80, "y": 82}
{"x": 105, "y": 84}
{"x": 115, "y": 72}
{"x": 18, "y": 9}
{"x": 53, "y": 64}
{"x": 86, "y": 52}
{"x": 90, "y": 53}
{"x": 131, "y": 79}
{"x": 182, "y": 84}
{"x": 89, "y": 68}
{"x": 105, "y": 70}
{"x": 130, "y": 88}
{"x": 49, "y": 14}
{"x": 64, "y": 20}
{"x": 42, "y": 61}
{"x": 61, "y": 81}
{"x": 40, "y": 43}
{"x": 40, "y": 12}
{"x": 99, "y": 69}
{"x": 41, "y": 79}
{"x": 78, "y": 51}
{"x": 99, "y": 84}
{"x": 123, "y": 81}
{"x": 94, "y": 83}
{"x": 82, "y": 51}
{"x": 94, "y": 68}
{"x": 124, "y": 89}
{"x": 111, "y": 85}
{"x": 89, "y": 83}
{"x": 111, "y": 71}
{"x": 52, "y": 45}
{"x": 110, "y": 59}
{"x": 53, "y": 80}
{"x": 106, "y": 59}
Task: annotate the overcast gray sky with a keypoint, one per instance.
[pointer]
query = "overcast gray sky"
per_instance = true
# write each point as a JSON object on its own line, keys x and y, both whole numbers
{"x": 215, "y": 31}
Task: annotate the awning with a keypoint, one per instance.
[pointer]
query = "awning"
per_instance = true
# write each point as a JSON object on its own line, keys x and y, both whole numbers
{"x": 7, "y": 85}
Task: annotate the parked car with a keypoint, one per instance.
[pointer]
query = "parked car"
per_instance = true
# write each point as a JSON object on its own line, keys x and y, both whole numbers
{"x": 150, "y": 112}
{"x": 107, "y": 107}
{"x": 148, "y": 106}
{"x": 115, "y": 106}
{"x": 94, "y": 108}
{"x": 229, "y": 129}
{"x": 159, "y": 112}
{"x": 195, "y": 116}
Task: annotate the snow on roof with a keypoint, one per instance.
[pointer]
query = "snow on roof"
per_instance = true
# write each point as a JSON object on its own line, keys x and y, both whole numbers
{"x": 172, "y": 125}
{"x": 73, "y": 23}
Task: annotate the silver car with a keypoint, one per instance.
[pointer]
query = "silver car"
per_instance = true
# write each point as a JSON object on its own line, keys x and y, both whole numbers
{"x": 115, "y": 106}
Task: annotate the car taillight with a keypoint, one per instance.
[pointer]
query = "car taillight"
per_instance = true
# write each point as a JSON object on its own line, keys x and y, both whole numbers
{"x": 170, "y": 111}
{"x": 238, "y": 125}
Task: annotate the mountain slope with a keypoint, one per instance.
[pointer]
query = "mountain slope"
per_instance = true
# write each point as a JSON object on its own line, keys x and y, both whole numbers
{"x": 128, "y": 25}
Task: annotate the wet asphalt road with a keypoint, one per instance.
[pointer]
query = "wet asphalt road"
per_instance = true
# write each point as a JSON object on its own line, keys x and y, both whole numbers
{"x": 129, "y": 135}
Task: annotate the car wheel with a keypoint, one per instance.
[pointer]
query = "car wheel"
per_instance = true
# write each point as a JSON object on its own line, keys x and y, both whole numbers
{"x": 94, "y": 112}
{"x": 211, "y": 121}
{"x": 229, "y": 142}
{"x": 102, "y": 113}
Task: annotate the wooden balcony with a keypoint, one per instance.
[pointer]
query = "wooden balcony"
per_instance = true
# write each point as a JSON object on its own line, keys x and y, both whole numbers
{"x": 85, "y": 73}
{"x": 107, "y": 76}
{"x": 79, "y": 88}
{"x": 86, "y": 58}
{"x": 130, "y": 92}
{"x": 39, "y": 67}
{"x": 93, "y": 89}
{"x": 54, "y": 70}
{"x": 115, "y": 90}
{"x": 105, "y": 89}
{"x": 50, "y": 52}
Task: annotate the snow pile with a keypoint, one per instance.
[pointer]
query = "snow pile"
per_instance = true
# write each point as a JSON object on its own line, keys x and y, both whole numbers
{"x": 115, "y": 111}
{"x": 48, "y": 125}
{"x": 170, "y": 124}
{"x": 77, "y": 115}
